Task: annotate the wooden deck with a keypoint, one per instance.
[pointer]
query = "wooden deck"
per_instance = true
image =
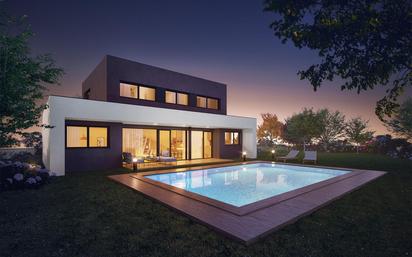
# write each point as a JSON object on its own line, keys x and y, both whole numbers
{"x": 254, "y": 223}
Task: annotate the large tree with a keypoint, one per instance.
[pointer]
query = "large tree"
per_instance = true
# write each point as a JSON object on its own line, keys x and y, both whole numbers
{"x": 303, "y": 127}
{"x": 365, "y": 43}
{"x": 270, "y": 129}
{"x": 357, "y": 132}
{"x": 23, "y": 79}
{"x": 401, "y": 122}
{"x": 332, "y": 128}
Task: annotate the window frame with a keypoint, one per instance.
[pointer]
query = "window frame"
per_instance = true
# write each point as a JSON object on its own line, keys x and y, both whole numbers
{"x": 88, "y": 137}
{"x": 205, "y": 97}
{"x": 138, "y": 93}
{"x": 232, "y": 133}
{"x": 207, "y": 102}
{"x": 138, "y": 85}
{"x": 170, "y": 91}
{"x": 177, "y": 97}
{"x": 131, "y": 84}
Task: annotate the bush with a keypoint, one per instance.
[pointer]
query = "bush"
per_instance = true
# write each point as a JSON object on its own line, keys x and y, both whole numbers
{"x": 21, "y": 175}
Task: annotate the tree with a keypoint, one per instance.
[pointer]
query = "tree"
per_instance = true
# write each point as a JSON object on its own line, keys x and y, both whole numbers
{"x": 401, "y": 122}
{"x": 332, "y": 128}
{"x": 357, "y": 133}
{"x": 270, "y": 129}
{"x": 33, "y": 139}
{"x": 303, "y": 127}
{"x": 365, "y": 43}
{"x": 23, "y": 79}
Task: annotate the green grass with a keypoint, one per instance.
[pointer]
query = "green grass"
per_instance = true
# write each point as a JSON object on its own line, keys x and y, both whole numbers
{"x": 89, "y": 215}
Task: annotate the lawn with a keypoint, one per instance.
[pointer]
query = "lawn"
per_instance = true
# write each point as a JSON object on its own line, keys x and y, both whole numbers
{"x": 90, "y": 215}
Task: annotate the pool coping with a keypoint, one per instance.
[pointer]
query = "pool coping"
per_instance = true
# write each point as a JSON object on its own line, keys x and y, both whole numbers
{"x": 245, "y": 209}
{"x": 251, "y": 226}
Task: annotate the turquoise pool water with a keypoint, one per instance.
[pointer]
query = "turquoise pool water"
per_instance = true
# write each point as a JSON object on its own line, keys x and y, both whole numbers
{"x": 240, "y": 185}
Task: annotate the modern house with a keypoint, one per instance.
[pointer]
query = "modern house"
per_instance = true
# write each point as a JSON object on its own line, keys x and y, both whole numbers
{"x": 146, "y": 111}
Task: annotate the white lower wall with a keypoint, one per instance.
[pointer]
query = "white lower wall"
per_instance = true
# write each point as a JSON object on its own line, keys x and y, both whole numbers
{"x": 65, "y": 108}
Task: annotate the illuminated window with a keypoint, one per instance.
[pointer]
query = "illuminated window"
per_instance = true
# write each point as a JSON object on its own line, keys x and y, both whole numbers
{"x": 201, "y": 101}
{"x": 176, "y": 98}
{"x": 128, "y": 90}
{"x": 97, "y": 137}
{"x": 139, "y": 142}
{"x": 147, "y": 93}
{"x": 182, "y": 99}
{"x": 212, "y": 103}
{"x": 76, "y": 136}
{"x": 231, "y": 138}
{"x": 170, "y": 97}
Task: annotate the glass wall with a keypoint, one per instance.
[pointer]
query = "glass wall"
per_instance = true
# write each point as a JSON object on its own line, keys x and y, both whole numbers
{"x": 178, "y": 144}
{"x": 164, "y": 142}
{"x": 207, "y": 144}
{"x": 140, "y": 142}
{"x": 197, "y": 144}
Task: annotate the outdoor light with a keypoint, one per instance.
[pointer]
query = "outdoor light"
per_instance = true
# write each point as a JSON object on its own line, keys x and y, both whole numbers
{"x": 244, "y": 156}
{"x": 273, "y": 154}
{"x": 134, "y": 164}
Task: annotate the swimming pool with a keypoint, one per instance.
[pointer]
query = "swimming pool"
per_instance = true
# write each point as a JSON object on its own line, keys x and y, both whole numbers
{"x": 240, "y": 185}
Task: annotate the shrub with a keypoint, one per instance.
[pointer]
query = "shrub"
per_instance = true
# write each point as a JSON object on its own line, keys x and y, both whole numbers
{"x": 21, "y": 175}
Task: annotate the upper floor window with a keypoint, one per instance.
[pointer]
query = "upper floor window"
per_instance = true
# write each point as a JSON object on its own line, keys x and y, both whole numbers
{"x": 176, "y": 98}
{"x": 83, "y": 136}
{"x": 128, "y": 90}
{"x": 212, "y": 103}
{"x": 206, "y": 102}
{"x": 137, "y": 92}
{"x": 147, "y": 93}
{"x": 231, "y": 138}
{"x": 182, "y": 99}
{"x": 201, "y": 101}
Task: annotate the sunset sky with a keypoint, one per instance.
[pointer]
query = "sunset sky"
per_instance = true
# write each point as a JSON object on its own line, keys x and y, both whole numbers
{"x": 224, "y": 41}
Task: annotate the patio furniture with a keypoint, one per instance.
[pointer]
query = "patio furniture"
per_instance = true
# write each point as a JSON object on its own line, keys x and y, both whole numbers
{"x": 310, "y": 156}
{"x": 127, "y": 158}
{"x": 293, "y": 154}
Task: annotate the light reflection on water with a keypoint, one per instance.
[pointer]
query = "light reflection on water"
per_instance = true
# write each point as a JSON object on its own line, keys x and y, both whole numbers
{"x": 244, "y": 184}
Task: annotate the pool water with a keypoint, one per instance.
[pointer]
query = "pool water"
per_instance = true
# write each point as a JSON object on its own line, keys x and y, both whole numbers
{"x": 240, "y": 185}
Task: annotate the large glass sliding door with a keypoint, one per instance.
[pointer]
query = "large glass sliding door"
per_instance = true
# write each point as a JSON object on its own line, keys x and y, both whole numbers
{"x": 178, "y": 144}
{"x": 140, "y": 142}
{"x": 207, "y": 144}
{"x": 201, "y": 144}
{"x": 196, "y": 144}
{"x": 164, "y": 142}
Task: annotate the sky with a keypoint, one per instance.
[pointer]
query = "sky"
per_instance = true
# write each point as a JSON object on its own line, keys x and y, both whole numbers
{"x": 224, "y": 41}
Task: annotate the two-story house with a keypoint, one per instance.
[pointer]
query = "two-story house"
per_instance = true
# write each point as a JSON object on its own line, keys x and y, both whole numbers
{"x": 143, "y": 110}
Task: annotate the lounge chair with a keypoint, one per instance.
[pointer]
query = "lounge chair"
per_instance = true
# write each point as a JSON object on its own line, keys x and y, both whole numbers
{"x": 293, "y": 154}
{"x": 310, "y": 156}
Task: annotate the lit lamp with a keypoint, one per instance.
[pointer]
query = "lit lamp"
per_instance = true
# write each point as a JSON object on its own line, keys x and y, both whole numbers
{"x": 134, "y": 164}
{"x": 244, "y": 156}
{"x": 273, "y": 154}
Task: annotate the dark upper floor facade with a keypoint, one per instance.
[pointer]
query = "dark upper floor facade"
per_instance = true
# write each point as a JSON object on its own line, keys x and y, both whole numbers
{"x": 124, "y": 81}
